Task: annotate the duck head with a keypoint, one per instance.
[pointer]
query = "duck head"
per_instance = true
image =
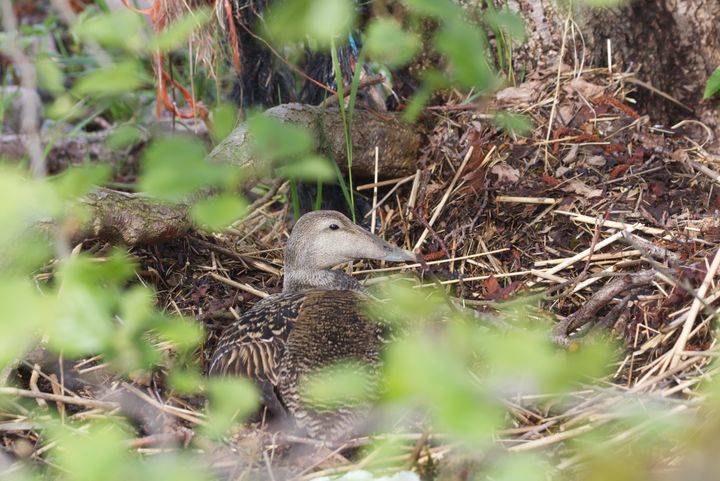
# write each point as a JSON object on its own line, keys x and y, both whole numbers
{"x": 323, "y": 239}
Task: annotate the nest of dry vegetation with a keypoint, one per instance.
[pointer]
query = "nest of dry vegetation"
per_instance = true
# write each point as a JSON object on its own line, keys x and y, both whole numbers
{"x": 610, "y": 216}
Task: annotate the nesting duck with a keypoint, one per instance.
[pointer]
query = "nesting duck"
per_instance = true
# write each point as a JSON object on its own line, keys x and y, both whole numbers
{"x": 314, "y": 323}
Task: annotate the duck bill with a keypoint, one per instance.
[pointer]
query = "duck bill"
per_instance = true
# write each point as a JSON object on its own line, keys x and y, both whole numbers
{"x": 369, "y": 246}
{"x": 399, "y": 255}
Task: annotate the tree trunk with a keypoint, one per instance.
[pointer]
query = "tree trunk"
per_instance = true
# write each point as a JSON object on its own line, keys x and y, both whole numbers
{"x": 673, "y": 45}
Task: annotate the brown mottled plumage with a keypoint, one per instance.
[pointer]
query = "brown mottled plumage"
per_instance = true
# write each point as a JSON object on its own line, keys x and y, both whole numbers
{"x": 314, "y": 323}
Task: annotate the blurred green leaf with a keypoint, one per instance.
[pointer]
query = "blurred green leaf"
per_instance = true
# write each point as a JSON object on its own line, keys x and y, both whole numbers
{"x": 86, "y": 304}
{"x": 99, "y": 453}
{"x": 403, "y": 304}
{"x": 185, "y": 333}
{"x": 174, "y": 168}
{"x": 292, "y": 21}
{"x": 713, "y": 84}
{"x": 432, "y": 80}
{"x": 442, "y": 384}
{"x": 224, "y": 120}
{"x": 464, "y": 45}
{"x": 83, "y": 324}
{"x": 112, "y": 270}
{"x": 77, "y": 181}
{"x": 217, "y": 213}
{"x": 186, "y": 381}
{"x": 521, "y": 466}
{"x": 231, "y": 399}
{"x": 136, "y": 307}
{"x": 61, "y": 107}
{"x": 24, "y": 311}
{"x": 389, "y": 44}
{"x": 181, "y": 30}
{"x": 526, "y": 361}
{"x": 604, "y": 3}
{"x": 506, "y": 21}
{"x": 123, "y": 136}
{"x": 110, "y": 80}
{"x": 383, "y": 452}
{"x": 24, "y": 203}
{"x": 180, "y": 466}
{"x": 308, "y": 168}
{"x": 442, "y": 9}
{"x": 417, "y": 103}
{"x": 118, "y": 29}
{"x": 276, "y": 140}
{"x": 50, "y": 76}
{"x": 339, "y": 385}
{"x": 515, "y": 123}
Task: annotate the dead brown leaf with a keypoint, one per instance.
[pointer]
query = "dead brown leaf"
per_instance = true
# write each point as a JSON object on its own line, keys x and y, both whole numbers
{"x": 581, "y": 188}
{"x": 584, "y": 88}
{"x": 506, "y": 175}
{"x": 524, "y": 94}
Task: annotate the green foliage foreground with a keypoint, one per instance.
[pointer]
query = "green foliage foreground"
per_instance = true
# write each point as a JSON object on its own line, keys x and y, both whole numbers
{"x": 459, "y": 374}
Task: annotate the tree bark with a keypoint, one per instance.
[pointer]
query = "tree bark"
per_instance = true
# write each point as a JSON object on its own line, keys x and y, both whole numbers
{"x": 397, "y": 142}
{"x": 134, "y": 219}
{"x": 673, "y": 45}
{"x": 64, "y": 152}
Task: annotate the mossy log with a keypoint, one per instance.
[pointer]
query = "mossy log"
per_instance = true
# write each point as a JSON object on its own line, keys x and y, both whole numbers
{"x": 397, "y": 142}
{"x": 134, "y": 219}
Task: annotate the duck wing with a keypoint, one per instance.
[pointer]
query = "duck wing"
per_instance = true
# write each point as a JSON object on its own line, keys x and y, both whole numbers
{"x": 253, "y": 345}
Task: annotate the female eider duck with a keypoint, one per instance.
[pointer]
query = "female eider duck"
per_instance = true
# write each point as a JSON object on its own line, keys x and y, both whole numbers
{"x": 315, "y": 322}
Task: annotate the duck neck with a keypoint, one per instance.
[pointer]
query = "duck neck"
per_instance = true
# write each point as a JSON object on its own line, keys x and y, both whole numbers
{"x": 304, "y": 279}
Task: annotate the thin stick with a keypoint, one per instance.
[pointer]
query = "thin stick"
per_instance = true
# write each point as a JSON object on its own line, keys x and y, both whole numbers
{"x": 680, "y": 344}
{"x": 78, "y": 401}
{"x": 552, "y": 439}
{"x": 387, "y": 196}
{"x": 582, "y": 255}
{"x": 440, "y": 261}
{"x": 526, "y": 200}
{"x": 593, "y": 258}
{"x": 375, "y": 188}
{"x": 383, "y": 183}
{"x": 238, "y": 285}
{"x": 610, "y": 223}
{"x": 556, "y": 97}
{"x": 705, "y": 170}
{"x": 29, "y": 121}
{"x": 445, "y": 197}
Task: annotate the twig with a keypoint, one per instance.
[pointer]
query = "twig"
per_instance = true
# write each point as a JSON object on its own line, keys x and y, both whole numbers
{"x": 556, "y": 97}
{"x": 79, "y": 401}
{"x": 441, "y": 205}
{"x": 29, "y": 124}
{"x": 582, "y": 255}
{"x": 694, "y": 309}
{"x": 238, "y": 285}
{"x": 601, "y": 299}
{"x": 375, "y": 191}
{"x": 526, "y": 200}
{"x": 610, "y": 223}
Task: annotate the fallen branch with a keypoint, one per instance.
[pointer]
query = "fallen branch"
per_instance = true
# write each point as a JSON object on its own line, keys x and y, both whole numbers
{"x": 600, "y": 299}
{"x": 64, "y": 152}
{"x": 78, "y": 401}
{"x": 398, "y": 142}
{"x": 134, "y": 219}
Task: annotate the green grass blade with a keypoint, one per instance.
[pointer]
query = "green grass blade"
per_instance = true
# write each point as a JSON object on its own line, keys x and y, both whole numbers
{"x": 346, "y": 123}
{"x": 318, "y": 195}
{"x": 295, "y": 199}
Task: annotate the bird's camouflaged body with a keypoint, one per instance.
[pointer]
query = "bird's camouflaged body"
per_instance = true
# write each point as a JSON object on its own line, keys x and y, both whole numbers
{"x": 286, "y": 338}
{"x": 315, "y": 323}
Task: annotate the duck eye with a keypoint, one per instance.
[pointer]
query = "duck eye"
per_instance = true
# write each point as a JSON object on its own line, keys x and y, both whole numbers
{"x": 334, "y": 227}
